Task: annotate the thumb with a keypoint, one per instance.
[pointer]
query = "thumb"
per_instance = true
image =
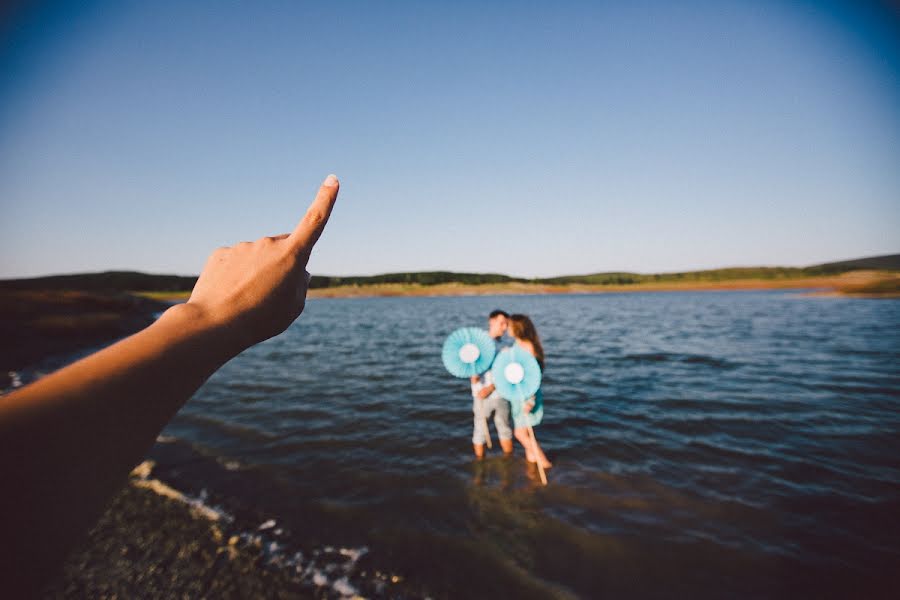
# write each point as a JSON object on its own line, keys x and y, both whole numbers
{"x": 310, "y": 227}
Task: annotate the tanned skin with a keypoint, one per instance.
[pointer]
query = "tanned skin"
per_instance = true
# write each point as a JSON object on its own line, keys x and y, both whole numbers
{"x": 69, "y": 440}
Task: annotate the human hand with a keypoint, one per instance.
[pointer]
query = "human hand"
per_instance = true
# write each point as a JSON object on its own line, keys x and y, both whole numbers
{"x": 474, "y": 379}
{"x": 527, "y": 407}
{"x": 255, "y": 290}
{"x": 485, "y": 392}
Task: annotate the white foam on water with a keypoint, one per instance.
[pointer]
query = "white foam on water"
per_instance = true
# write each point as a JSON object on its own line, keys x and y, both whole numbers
{"x": 267, "y": 525}
{"x": 330, "y": 567}
{"x": 353, "y": 554}
{"x": 343, "y": 587}
{"x": 165, "y": 439}
{"x": 142, "y": 471}
{"x": 199, "y": 508}
{"x": 15, "y": 380}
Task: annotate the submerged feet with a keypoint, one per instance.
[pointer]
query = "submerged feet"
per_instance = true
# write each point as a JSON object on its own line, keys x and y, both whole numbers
{"x": 533, "y": 452}
{"x": 544, "y": 462}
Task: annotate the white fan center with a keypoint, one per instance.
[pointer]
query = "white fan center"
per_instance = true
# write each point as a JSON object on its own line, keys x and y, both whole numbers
{"x": 469, "y": 353}
{"x": 514, "y": 373}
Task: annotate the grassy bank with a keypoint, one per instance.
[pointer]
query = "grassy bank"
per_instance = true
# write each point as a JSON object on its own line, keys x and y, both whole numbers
{"x": 889, "y": 286}
{"x": 875, "y": 282}
{"x": 35, "y": 324}
{"x": 867, "y": 283}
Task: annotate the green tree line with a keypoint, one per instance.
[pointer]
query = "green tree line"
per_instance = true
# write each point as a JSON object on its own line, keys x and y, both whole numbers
{"x": 144, "y": 282}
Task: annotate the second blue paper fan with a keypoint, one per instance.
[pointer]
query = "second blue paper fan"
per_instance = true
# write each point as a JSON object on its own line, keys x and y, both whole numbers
{"x": 517, "y": 375}
{"x": 468, "y": 351}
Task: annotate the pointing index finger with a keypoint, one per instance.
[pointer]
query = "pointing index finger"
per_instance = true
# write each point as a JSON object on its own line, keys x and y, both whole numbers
{"x": 313, "y": 222}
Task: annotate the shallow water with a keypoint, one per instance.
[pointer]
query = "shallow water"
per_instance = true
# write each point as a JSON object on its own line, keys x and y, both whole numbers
{"x": 713, "y": 444}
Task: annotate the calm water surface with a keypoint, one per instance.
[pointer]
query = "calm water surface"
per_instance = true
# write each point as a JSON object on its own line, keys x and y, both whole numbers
{"x": 704, "y": 444}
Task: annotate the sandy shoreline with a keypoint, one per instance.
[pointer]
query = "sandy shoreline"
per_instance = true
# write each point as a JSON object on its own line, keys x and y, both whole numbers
{"x": 151, "y": 545}
{"x": 844, "y": 285}
{"x": 153, "y": 541}
{"x": 840, "y": 285}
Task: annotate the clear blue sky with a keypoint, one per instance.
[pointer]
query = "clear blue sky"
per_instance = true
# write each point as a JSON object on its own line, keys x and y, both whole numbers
{"x": 526, "y": 138}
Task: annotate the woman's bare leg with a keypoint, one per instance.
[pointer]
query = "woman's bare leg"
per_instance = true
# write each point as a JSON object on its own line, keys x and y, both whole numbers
{"x": 540, "y": 453}
{"x": 521, "y": 434}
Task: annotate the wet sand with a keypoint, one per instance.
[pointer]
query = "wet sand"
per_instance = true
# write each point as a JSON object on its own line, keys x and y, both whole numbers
{"x": 150, "y": 545}
{"x": 153, "y": 541}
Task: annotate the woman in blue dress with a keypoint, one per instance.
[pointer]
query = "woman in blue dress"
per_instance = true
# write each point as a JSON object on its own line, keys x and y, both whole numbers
{"x": 531, "y": 411}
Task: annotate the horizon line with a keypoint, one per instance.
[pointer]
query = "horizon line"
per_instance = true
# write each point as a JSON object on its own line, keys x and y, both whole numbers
{"x": 775, "y": 266}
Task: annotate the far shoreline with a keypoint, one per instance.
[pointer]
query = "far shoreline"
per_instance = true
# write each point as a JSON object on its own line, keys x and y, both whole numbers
{"x": 860, "y": 284}
{"x": 43, "y": 323}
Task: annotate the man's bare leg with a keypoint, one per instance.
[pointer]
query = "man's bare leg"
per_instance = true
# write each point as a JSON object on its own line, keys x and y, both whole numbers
{"x": 479, "y": 450}
{"x": 507, "y": 446}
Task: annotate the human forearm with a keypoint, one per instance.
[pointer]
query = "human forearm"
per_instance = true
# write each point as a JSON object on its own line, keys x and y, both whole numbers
{"x": 114, "y": 406}
{"x": 75, "y": 433}
{"x": 68, "y": 440}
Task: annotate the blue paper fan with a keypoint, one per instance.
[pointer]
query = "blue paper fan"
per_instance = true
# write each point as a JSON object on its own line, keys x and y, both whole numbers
{"x": 468, "y": 351}
{"x": 517, "y": 375}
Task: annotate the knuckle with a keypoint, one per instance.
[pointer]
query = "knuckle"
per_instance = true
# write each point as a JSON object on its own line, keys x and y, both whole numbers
{"x": 218, "y": 255}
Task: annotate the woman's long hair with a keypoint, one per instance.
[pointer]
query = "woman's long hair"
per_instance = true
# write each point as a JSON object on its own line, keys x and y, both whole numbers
{"x": 522, "y": 328}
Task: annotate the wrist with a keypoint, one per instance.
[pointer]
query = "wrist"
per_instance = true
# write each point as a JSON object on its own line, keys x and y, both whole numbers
{"x": 193, "y": 321}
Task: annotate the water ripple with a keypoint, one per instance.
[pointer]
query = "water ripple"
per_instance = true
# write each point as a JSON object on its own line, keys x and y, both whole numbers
{"x": 747, "y": 432}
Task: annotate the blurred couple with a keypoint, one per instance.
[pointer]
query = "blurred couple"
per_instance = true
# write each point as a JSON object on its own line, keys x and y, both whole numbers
{"x": 510, "y": 419}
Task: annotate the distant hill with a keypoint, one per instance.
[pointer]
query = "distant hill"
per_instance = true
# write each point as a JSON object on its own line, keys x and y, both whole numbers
{"x": 888, "y": 262}
{"x": 421, "y": 278}
{"x": 120, "y": 281}
{"x": 144, "y": 282}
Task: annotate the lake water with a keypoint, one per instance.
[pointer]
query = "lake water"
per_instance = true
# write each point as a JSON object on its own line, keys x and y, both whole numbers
{"x": 712, "y": 444}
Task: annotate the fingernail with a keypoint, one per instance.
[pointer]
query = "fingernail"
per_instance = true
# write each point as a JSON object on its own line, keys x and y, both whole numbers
{"x": 330, "y": 181}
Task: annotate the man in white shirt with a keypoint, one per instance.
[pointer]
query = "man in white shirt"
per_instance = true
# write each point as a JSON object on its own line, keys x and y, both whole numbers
{"x": 486, "y": 400}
